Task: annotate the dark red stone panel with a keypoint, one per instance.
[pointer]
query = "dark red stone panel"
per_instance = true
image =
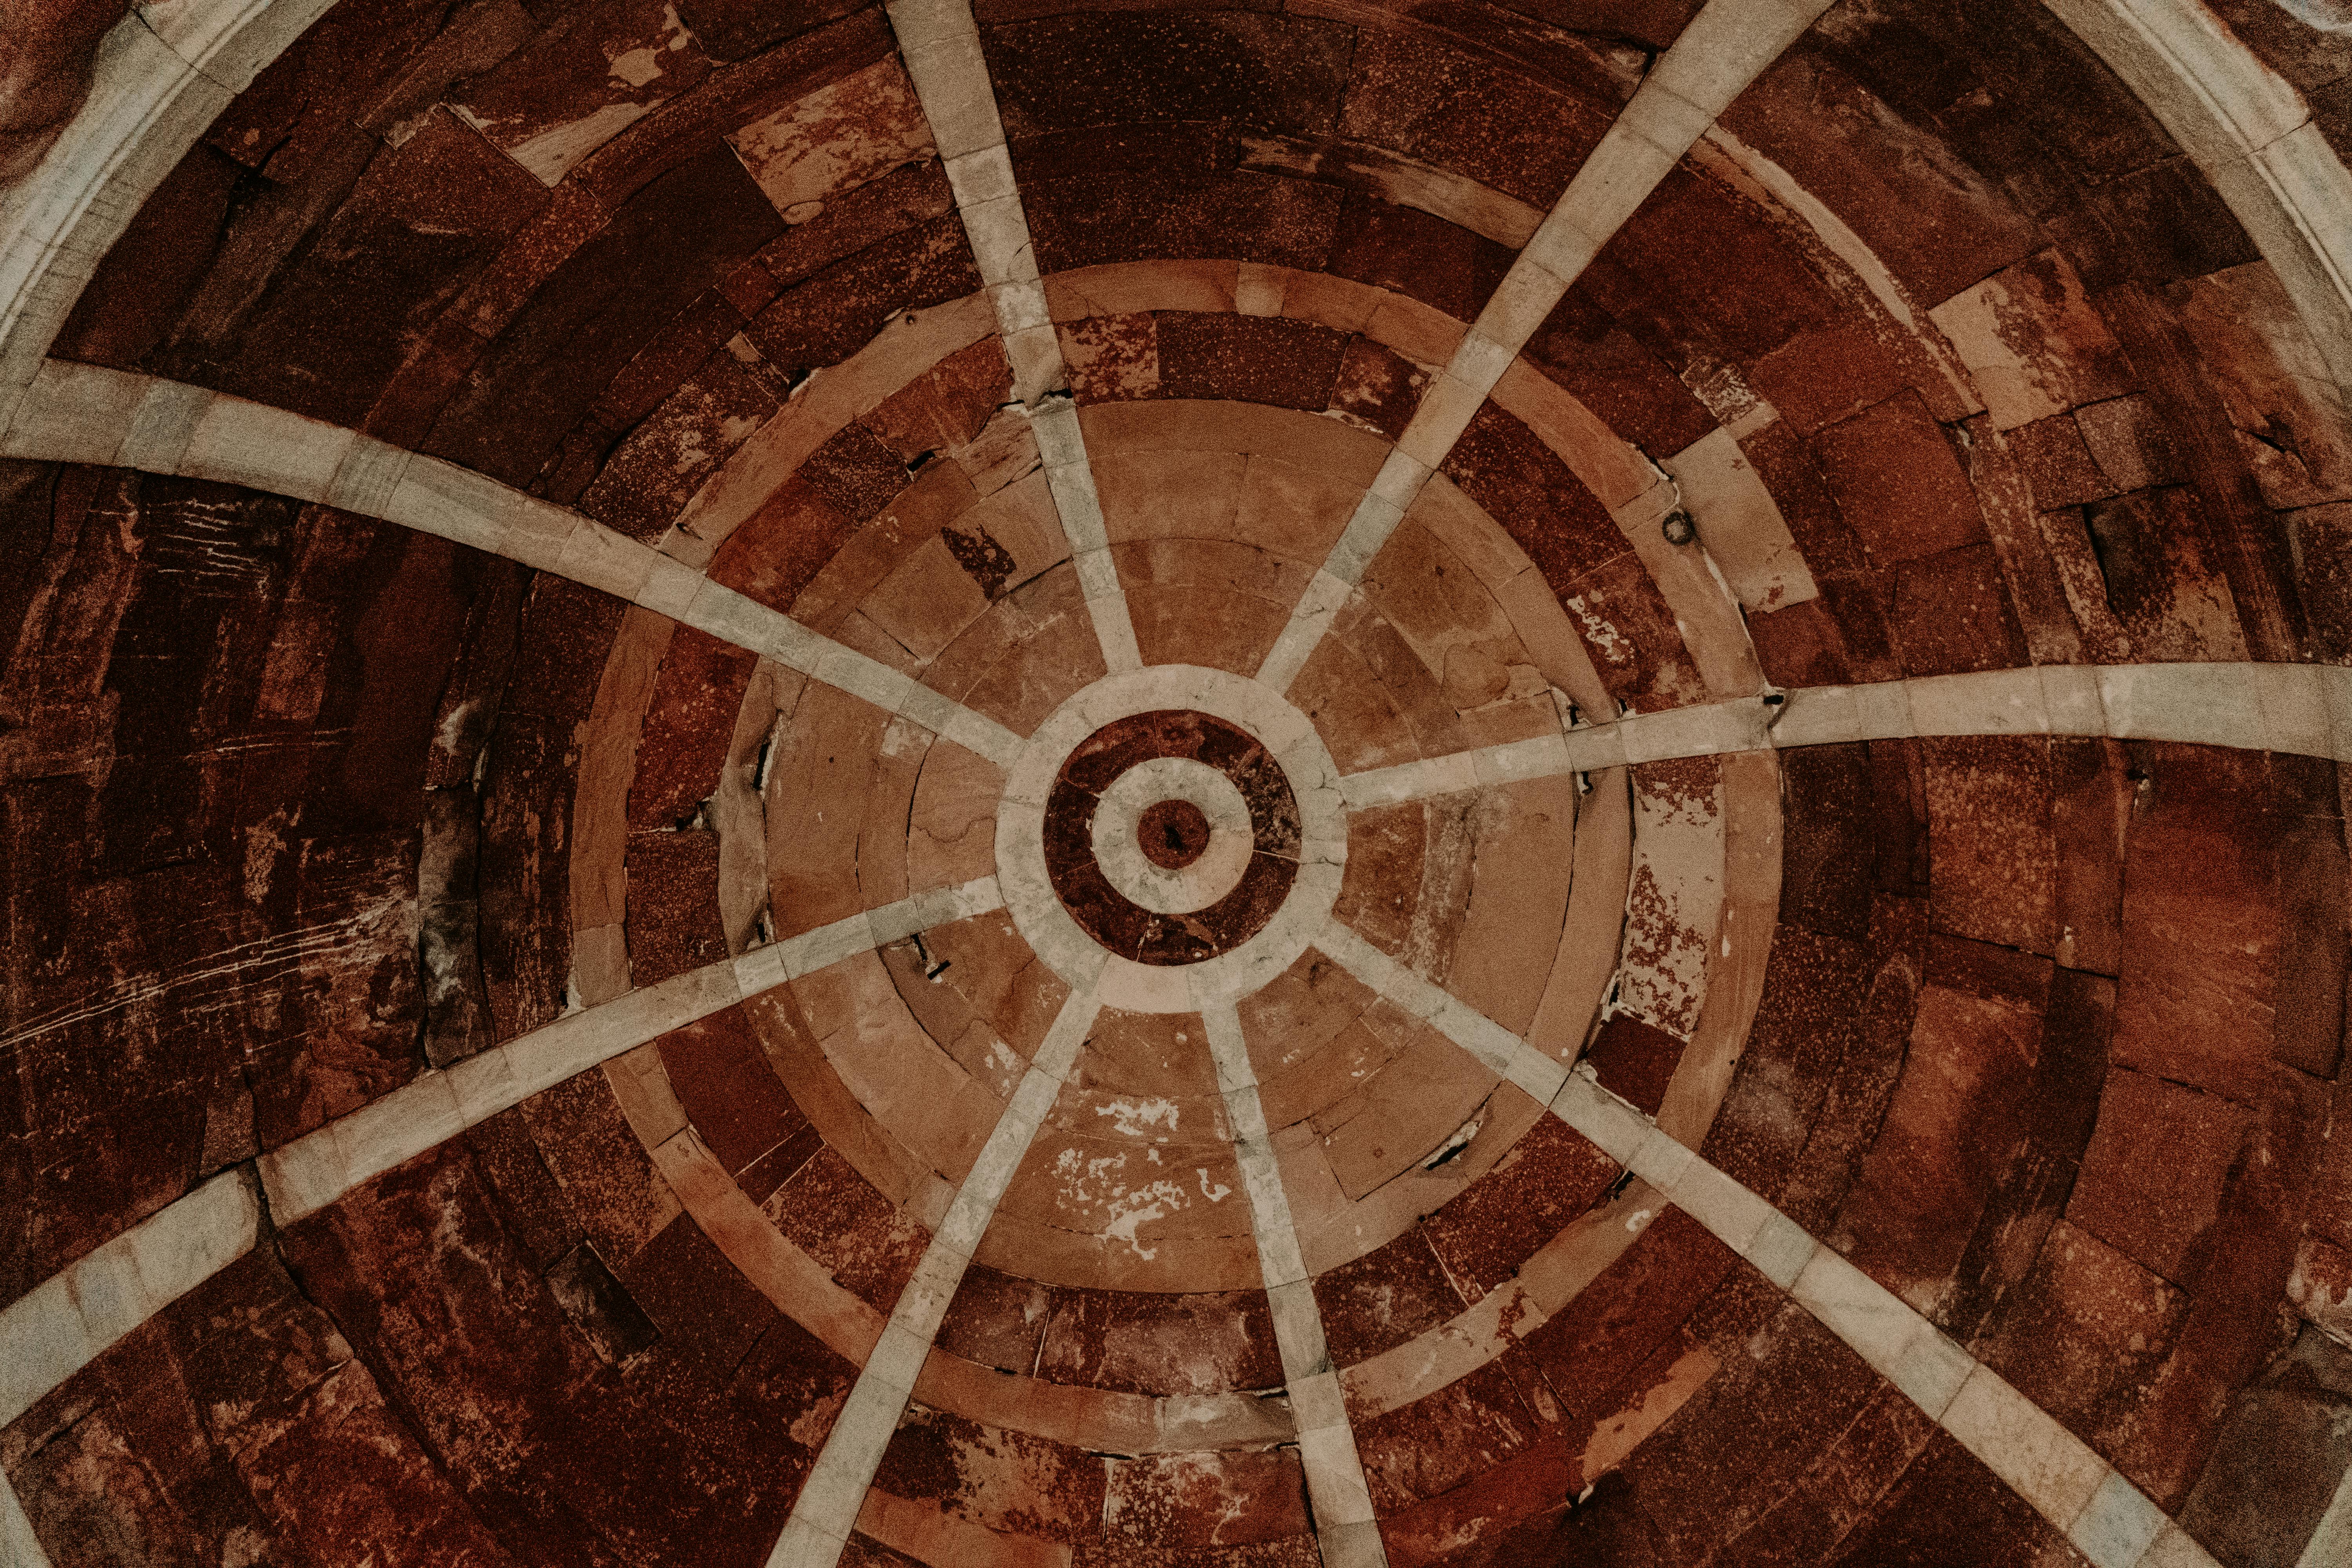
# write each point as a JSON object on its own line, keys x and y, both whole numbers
{"x": 2042, "y": 1161}
{"x": 235, "y": 1422}
{"x": 1072, "y": 72}
{"x": 1952, "y": 1122}
{"x": 1635, "y": 1061}
{"x": 1950, "y": 614}
{"x": 834, "y": 312}
{"x": 1581, "y": 347}
{"x": 2201, "y": 977}
{"x": 779, "y": 550}
{"x": 856, "y": 473}
{"x": 1145, "y": 1342}
{"x": 1522, "y": 484}
{"x": 1788, "y": 1389}
{"x": 1950, "y": 1511}
{"x": 1380, "y": 1300}
{"x": 694, "y": 1448}
{"x": 730, "y": 1093}
{"x": 332, "y": 328}
{"x": 294, "y": 142}
{"x": 732, "y": 29}
{"x": 1816, "y": 989}
{"x": 2282, "y": 1452}
{"x": 1632, "y": 634}
{"x": 1636, "y": 1309}
{"x": 1377, "y": 388}
{"x": 2240, "y": 536}
{"x": 1222, "y": 1497}
{"x": 1437, "y": 1442}
{"x": 1678, "y": 299}
{"x": 2083, "y": 1334}
{"x": 220, "y": 710}
{"x": 1551, "y": 1176}
{"x": 1414, "y": 253}
{"x": 662, "y": 248}
{"x": 659, "y": 465}
{"x": 1000, "y": 1479}
{"x": 997, "y": 1320}
{"x": 689, "y": 725}
{"x": 1830, "y": 847}
{"x": 1897, "y": 483}
{"x": 1862, "y": 1082}
{"x": 1992, "y": 847}
{"x": 1091, "y": 219}
{"x": 1411, "y": 93}
{"x": 1250, "y": 359}
{"x": 839, "y": 1218}
{"x": 528, "y": 785}
{"x": 1839, "y": 1490}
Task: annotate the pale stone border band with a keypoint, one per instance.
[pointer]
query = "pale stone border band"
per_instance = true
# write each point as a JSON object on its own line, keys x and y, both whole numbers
{"x": 1057, "y": 938}
{"x": 831, "y": 1500}
{"x": 1118, "y": 848}
{"x": 2107, "y": 1518}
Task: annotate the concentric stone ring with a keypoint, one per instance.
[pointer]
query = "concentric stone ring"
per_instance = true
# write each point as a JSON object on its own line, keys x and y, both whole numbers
{"x": 1100, "y": 875}
{"x": 1247, "y": 832}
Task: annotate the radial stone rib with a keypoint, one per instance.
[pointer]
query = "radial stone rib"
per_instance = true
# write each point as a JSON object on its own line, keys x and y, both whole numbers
{"x": 826, "y": 1511}
{"x": 1726, "y": 47}
{"x": 85, "y": 413}
{"x": 2110, "y": 1520}
{"x": 940, "y": 43}
{"x": 1344, "y": 1526}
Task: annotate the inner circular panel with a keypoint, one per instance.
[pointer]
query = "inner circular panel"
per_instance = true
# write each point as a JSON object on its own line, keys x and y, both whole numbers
{"x": 1083, "y": 880}
{"x": 1164, "y": 785}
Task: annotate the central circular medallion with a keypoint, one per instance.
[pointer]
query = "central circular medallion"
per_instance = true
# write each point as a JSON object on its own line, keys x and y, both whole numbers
{"x": 1172, "y": 832}
{"x": 1171, "y": 836}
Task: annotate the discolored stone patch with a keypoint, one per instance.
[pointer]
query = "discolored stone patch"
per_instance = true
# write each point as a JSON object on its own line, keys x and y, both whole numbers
{"x": 1118, "y": 923}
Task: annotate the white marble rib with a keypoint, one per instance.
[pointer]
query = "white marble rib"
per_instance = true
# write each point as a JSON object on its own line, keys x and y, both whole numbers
{"x": 940, "y": 44}
{"x": 2305, "y": 709}
{"x": 1342, "y": 1498}
{"x": 1722, "y": 50}
{"x": 84, "y": 414}
{"x": 827, "y": 1510}
{"x": 2110, "y": 1520}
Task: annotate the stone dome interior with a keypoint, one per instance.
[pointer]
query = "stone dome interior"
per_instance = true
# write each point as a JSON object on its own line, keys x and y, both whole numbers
{"x": 1192, "y": 784}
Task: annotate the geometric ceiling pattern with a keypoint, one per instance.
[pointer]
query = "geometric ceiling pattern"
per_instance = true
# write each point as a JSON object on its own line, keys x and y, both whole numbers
{"x": 1457, "y": 782}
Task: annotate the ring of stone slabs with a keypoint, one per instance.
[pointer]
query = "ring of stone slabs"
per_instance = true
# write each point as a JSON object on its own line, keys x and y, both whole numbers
{"x": 1054, "y": 933}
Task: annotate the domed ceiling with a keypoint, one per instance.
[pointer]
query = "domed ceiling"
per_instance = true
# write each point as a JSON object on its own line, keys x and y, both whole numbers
{"x": 1128, "y": 783}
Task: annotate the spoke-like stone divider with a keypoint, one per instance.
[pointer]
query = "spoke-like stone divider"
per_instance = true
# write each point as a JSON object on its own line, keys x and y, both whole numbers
{"x": 86, "y": 414}
{"x": 69, "y": 1319}
{"x": 2107, "y": 1518}
{"x": 1726, "y": 45}
{"x": 827, "y": 1508}
{"x": 2303, "y": 709}
{"x": 1344, "y": 1527}
{"x": 940, "y": 41}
